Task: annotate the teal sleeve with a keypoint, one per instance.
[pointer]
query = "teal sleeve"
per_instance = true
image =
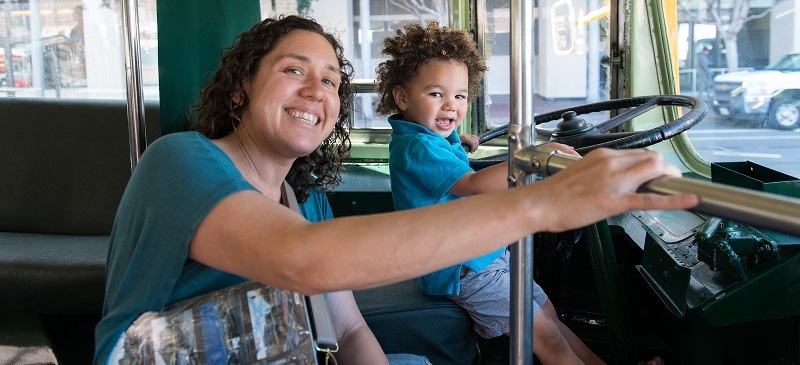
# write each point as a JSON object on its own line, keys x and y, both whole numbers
{"x": 316, "y": 208}
{"x": 179, "y": 179}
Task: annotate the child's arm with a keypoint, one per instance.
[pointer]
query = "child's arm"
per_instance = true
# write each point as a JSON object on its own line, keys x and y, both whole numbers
{"x": 493, "y": 177}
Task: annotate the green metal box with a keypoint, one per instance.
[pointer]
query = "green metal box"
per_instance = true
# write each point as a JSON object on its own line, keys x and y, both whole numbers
{"x": 751, "y": 175}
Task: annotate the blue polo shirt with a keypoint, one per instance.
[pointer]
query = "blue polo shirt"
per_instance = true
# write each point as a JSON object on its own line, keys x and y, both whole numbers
{"x": 424, "y": 166}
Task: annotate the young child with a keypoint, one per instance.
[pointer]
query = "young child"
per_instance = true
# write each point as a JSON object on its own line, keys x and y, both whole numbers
{"x": 429, "y": 81}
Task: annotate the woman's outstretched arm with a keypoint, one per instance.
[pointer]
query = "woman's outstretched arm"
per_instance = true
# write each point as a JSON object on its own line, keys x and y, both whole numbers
{"x": 255, "y": 237}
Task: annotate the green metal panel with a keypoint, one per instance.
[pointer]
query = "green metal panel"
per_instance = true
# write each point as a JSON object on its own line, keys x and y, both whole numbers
{"x": 460, "y": 18}
{"x": 666, "y": 274}
{"x": 191, "y": 37}
{"x": 649, "y": 71}
{"x": 772, "y": 292}
{"x": 604, "y": 264}
{"x": 347, "y": 203}
{"x": 365, "y": 189}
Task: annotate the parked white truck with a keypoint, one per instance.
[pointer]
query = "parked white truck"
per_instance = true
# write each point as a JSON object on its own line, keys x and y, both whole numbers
{"x": 770, "y": 96}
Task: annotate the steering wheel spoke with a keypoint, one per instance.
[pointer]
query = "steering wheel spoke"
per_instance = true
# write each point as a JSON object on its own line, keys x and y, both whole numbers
{"x": 544, "y": 133}
{"x": 612, "y": 123}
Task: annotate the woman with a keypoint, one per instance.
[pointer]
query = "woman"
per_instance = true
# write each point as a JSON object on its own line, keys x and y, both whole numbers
{"x": 203, "y": 211}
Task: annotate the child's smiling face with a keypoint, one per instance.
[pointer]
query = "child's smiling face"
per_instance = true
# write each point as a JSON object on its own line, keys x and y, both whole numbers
{"x": 436, "y": 97}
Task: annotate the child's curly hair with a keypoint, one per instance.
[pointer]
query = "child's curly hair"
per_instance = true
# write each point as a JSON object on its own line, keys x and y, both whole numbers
{"x": 418, "y": 45}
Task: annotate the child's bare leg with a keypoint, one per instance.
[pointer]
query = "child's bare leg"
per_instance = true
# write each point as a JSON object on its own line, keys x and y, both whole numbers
{"x": 549, "y": 344}
{"x": 578, "y": 347}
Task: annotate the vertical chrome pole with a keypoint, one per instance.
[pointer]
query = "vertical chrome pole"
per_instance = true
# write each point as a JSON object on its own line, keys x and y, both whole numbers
{"x": 37, "y": 53}
{"x": 520, "y": 135}
{"x": 8, "y": 57}
{"x": 137, "y": 133}
{"x": 480, "y": 18}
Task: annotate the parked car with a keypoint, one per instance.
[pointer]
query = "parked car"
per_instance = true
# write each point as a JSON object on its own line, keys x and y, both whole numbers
{"x": 769, "y": 96}
{"x": 21, "y": 67}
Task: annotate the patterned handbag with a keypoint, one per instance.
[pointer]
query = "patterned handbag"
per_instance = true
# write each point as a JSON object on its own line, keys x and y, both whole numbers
{"x": 248, "y": 323}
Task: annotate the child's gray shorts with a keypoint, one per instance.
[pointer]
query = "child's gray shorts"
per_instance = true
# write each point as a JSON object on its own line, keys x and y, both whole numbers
{"x": 486, "y": 296}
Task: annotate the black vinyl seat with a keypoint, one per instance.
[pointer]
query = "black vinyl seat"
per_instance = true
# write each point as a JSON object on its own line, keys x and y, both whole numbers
{"x": 65, "y": 166}
{"x": 404, "y": 319}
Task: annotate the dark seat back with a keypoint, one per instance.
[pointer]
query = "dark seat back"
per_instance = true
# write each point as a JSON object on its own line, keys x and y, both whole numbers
{"x": 65, "y": 164}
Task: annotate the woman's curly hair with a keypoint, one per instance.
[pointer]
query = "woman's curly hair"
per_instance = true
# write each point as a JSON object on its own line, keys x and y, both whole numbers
{"x": 418, "y": 45}
{"x": 217, "y": 115}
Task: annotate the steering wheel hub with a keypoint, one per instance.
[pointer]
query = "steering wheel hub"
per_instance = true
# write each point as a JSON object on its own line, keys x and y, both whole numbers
{"x": 571, "y": 125}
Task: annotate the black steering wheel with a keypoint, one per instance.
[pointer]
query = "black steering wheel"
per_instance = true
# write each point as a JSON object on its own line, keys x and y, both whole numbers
{"x": 585, "y": 137}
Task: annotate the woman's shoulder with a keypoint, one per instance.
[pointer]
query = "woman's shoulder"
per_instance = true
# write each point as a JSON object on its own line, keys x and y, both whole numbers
{"x": 182, "y": 167}
{"x": 182, "y": 145}
{"x": 179, "y": 140}
{"x": 184, "y": 152}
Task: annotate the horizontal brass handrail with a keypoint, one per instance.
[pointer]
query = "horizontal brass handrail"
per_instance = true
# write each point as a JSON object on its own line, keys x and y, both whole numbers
{"x": 758, "y": 209}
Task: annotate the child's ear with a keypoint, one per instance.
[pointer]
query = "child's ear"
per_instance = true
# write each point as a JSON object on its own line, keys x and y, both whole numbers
{"x": 400, "y": 97}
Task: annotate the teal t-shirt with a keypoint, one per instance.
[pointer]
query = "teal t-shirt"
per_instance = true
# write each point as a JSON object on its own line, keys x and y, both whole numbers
{"x": 177, "y": 182}
{"x": 423, "y": 167}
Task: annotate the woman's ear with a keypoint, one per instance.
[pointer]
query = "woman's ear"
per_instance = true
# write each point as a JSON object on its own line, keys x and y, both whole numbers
{"x": 400, "y": 97}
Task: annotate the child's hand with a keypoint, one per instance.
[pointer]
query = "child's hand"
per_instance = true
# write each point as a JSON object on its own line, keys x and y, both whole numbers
{"x": 470, "y": 142}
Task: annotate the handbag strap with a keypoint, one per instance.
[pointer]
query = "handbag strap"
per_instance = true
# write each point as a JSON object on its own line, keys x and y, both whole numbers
{"x": 288, "y": 198}
{"x": 323, "y": 331}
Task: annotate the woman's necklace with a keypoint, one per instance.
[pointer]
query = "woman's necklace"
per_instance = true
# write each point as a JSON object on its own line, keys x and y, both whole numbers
{"x": 255, "y": 169}
{"x": 246, "y": 155}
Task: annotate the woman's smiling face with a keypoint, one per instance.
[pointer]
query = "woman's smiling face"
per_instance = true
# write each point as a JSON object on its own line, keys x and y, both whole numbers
{"x": 294, "y": 100}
